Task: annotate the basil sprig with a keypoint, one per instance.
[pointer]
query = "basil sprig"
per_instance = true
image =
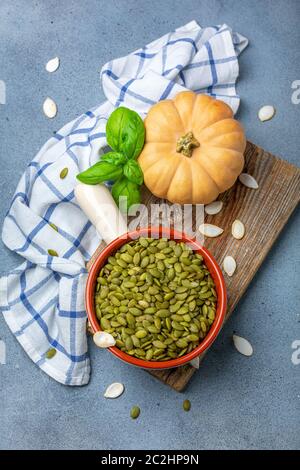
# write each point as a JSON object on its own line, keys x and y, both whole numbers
{"x": 126, "y": 189}
{"x": 125, "y": 134}
{"x": 133, "y": 172}
{"x": 100, "y": 172}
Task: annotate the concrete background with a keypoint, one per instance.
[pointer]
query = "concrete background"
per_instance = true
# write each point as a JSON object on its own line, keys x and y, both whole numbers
{"x": 237, "y": 402}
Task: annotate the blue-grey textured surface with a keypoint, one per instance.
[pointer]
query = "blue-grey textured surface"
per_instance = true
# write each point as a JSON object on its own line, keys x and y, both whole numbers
{"x": 237, "y": 402}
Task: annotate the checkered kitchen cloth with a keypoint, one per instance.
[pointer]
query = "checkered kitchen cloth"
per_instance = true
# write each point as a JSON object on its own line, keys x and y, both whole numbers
{"x": 43, "y": 299}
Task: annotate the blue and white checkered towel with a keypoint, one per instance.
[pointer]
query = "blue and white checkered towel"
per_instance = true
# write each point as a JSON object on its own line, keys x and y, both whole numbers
{"x": 43, "y": 299}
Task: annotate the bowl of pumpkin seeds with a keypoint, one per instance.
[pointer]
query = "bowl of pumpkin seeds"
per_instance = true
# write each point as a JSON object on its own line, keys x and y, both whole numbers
{"x": 160, "y": 294}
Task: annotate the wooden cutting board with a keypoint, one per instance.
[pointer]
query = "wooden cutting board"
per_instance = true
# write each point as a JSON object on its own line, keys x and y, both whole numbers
{"x": 264, "y": 212}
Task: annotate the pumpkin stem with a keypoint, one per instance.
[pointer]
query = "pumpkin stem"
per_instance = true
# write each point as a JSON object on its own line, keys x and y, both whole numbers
{"x": 186, "y": 144}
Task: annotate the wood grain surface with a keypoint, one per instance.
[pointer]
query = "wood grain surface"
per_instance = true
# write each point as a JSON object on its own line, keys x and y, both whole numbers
{"x": 264, "y": 212}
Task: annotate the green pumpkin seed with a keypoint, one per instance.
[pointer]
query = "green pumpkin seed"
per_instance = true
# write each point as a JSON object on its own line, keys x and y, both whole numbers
{"x": 144, "y": 262}
{"x": 181, "y": 343}
{"x": 194, "y": 328}
{"x": 159, "y": 344}
{"x": 182, "y": 352}
{"x": 122, "y": 263}
{"x": 149, "y": 354}
{"x": 168, "y": 324}
{"x": 105, "y": 324}
{"x": 177, "y": 326}
{"x": 183, "y": 310}
{"x": 163, "y": 313}
{"x": 157, "y": 353}
{"x": 135, "y": 412}
{"x": 186, "y": 405}
{"x": 192, "y": 337}
{"x": 141, "y": 334}
{"x": 136, "y": 342}
{"x": 121, "y": 320}
{"x": 169, "y": 295}
{"x": 53, "y": 226}
{"x": 126, "y": 257}
{"x": 135, "y": 311}
{"x": 52, "y": 252}
{"x": 171, "y": 274}
{"x": 50, "y": 353}
{"x": 177, "y": 251}
{"x": 128, "y": 343}
{"x": 143, "y": 242}
{"x": 174, "y": 308}
{"x": 136, "y": 259}
{"x": 63, "y": 173}
{"x": 187, "y": 317}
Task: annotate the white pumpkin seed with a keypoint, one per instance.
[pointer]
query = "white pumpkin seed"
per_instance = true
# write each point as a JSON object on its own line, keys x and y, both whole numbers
{"x": 102, "y": 339}
{"x": 195, "y": 362}
{"x": 114, "y": 390}
{"x": 209, "y": 230}
{"x": 238, "y": 229}
{"x": 266, "y": 113}
{"x": 248, "y": 180}
{"x": 52, "y": 65}
{"x": 49, "y": 108}
{"x": 229, "y": 265}
{"x": 242, "y": 345}
{"x": 213, "y": 208}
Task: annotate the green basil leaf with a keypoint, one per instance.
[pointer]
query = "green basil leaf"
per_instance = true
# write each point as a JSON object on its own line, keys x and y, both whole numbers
{"x": 127, "y": 189}
{"x": 125, "y": 132}
{"x": 116, "y": 158}
{"x": 100, "y": 172}
{"x": 133, "y": 172}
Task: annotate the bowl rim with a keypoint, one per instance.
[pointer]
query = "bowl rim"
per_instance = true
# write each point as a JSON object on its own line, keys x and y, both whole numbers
{"x": 212, "y": 266}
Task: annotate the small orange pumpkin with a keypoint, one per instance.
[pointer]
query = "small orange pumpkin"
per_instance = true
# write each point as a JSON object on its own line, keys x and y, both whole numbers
{"x": 193, "y": 149}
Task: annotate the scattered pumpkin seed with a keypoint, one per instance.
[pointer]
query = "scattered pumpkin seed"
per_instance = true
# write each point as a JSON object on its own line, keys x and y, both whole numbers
{"x": 238, "y": 229}
{"x": 63, "y": 173}
{"x": 186, "y": 405}
{"x": 242, "y": 345}
{"x": 52, "y": 65}
{"x": 209, "y": 230}
{"x": 52, "y": 252}
{"x": 50, "y": 353}
{"x": 135, "y": 412}
{"x": 266, "y": 113}
{"x": 248, "y": 181}
{"x": 213, "y": 208}
{"x": 229, "y": 265}
{"x": 114, "y": 390}
{"x": 53, "y": 226}
{"x": 50, "y": 108}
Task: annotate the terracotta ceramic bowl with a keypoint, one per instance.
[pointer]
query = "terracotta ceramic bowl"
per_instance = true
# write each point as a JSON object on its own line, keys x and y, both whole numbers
{"x": 215, "y": 272}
